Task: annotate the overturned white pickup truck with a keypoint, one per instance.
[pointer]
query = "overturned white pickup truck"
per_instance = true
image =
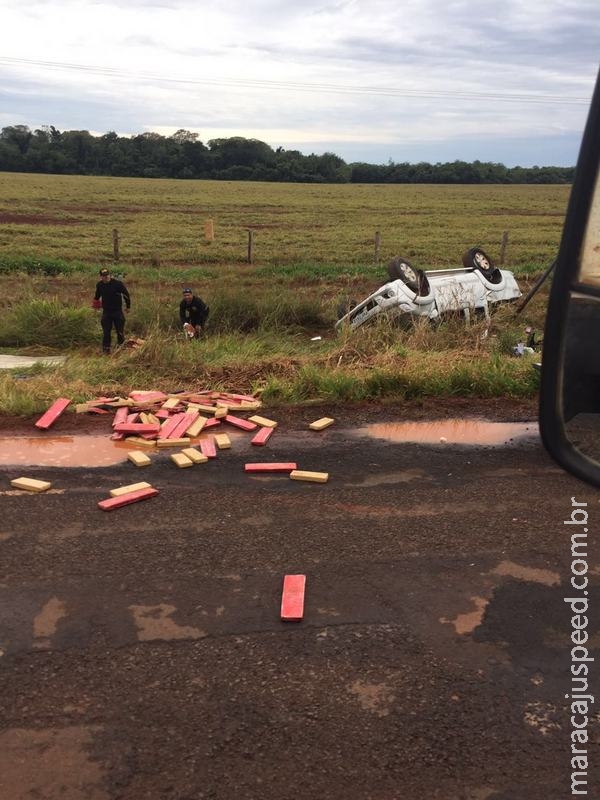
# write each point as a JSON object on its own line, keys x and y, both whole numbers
{"x": 434, "y": 293}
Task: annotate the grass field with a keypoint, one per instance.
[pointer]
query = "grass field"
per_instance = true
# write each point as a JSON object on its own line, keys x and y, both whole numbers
{"x": 313, "y": 246}
{"x": 72, "y": 218}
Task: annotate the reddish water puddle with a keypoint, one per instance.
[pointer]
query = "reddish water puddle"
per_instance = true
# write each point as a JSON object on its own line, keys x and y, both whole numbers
{"x": 451, "y": 431}
{"x": 63, "y": 451}
{"x": 79, "y": 451}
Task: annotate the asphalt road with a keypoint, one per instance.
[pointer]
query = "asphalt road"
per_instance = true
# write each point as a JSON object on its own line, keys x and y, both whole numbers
{"x": 143, "y": 656}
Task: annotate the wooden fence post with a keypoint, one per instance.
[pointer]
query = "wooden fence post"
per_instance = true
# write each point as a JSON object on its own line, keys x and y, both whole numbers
{"x": 250, "y": 245}
{"x": 209, "y": 230}
{"x": 377, "y": 245}
{"x": 115, "y": 237}
{"x": 503, "y": 246}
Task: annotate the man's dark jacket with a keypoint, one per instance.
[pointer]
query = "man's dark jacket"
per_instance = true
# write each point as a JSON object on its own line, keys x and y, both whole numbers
{"x": 111, "y": 293}
{"x": 195, "y": 312}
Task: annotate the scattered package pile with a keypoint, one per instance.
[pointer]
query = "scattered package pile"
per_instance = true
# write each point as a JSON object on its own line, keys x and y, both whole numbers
{"x": 150, "y": 419}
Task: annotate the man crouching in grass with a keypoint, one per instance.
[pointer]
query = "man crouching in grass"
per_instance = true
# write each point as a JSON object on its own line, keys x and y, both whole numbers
{"x": 109, "y": 296}
{"x": 193, "y": 313}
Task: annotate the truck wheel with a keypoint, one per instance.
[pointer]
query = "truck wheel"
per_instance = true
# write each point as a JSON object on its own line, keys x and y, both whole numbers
{"x": 414, "y": 279}
{"x": 477, "y": 259}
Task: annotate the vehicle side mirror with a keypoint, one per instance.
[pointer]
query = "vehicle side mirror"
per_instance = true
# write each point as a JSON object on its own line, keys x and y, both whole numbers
{"x": 570, "y": 382}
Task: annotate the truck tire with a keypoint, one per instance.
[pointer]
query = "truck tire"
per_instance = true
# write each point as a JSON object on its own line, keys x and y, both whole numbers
{"x": 475, "y": 258}
{"x": 415, "y": 279}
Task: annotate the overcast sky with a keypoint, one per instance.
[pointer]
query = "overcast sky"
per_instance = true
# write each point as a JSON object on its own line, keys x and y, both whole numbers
{"x": 370, "y": 80}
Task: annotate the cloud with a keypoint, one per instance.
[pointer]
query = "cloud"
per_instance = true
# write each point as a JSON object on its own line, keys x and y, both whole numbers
{"x": 421, "y": 76}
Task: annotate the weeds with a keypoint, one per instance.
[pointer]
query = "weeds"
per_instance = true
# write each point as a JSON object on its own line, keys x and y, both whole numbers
{"x": 45, "y": 323}
{"x": 486, "y": 379}
{"x": 280, "y": 367}
{"x": 381, "y": 360}
{"x": 32, "y": 265}
{"x": 16, "y": 397}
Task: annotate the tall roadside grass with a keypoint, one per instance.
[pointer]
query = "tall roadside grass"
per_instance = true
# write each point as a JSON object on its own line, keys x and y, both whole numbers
{"x": 491, "y": 377}
{"x": 280, "y": 340}
{"x": 237, "y": 310}
{"x": 46, "y": 323}
{"x": 167, "y": 363}
{"x": 50, "y": 322}
{"x": 283, "y": 368}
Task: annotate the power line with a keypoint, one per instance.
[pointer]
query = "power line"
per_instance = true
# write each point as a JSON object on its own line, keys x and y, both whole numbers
{"x": 537, "y": 98}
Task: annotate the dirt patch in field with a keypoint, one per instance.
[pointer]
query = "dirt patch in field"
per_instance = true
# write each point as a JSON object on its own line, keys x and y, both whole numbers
{"x": 522, "y": 212}
{"x": 109, "y": 209}
{"x": 36, "y": 219}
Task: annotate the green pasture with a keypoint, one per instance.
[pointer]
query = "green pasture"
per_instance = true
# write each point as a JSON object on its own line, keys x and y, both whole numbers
{"x": 314, "y": 246}
{"x": 71, "y": 218}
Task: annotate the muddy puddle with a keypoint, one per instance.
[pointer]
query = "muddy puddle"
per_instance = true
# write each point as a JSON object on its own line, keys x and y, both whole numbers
{"x": 452, "y": 431}
{"x": 76, "y": 451}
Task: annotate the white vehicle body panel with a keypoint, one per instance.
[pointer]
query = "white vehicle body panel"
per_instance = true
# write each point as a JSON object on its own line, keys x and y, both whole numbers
{"x": 462, "y": 289}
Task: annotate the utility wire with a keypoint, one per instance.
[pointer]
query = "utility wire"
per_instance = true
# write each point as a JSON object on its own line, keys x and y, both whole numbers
{"x": 537, "y": 98}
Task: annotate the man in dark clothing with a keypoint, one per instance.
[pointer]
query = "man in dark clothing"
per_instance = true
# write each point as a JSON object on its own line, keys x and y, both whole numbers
{"x": 193, "y": 313}
{"x": 109, "y": 296}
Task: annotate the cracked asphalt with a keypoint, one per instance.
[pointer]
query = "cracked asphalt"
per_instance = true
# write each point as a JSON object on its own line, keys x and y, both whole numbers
{"x": 143, "y": 657}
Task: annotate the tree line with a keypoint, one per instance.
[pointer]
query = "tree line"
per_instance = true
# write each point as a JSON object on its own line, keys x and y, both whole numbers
{"x": 183, "y": 155}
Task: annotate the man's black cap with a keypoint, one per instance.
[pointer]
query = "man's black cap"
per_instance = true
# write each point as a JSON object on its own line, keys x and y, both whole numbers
{"x": 104, "y": 271}
{"x": 187, "y": 291}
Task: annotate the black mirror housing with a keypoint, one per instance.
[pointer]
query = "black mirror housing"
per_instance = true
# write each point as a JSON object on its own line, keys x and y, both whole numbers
{"x": 570, "y": 381}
